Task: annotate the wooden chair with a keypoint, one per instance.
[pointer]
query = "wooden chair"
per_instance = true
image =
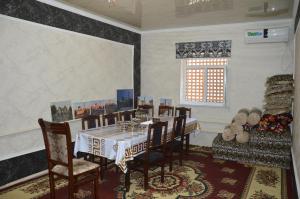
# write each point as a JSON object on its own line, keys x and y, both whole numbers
{"x": 183, "y": 111}
{"x": 90, "y": 121}
{"x": 109, "y": 119}
{"x": 188, "y": 113}
{"x": 154, "y": 153}
{"x": 148, "y": 108}
{"x": 57, "y": 139}
{"x": 163, "y": 109}
{"x": 176, "y": 143}
{"x": 127, "y": 115}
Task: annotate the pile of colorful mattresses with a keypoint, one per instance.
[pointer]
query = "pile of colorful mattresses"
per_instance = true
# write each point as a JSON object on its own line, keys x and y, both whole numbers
{"x": 265, "y": 148}
{"x": 279, "y": 94}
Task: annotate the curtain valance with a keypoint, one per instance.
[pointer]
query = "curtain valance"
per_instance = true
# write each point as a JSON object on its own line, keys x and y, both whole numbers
{"x": 203, "y": 49}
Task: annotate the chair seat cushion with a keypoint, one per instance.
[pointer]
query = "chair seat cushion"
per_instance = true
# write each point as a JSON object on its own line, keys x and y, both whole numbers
{"x": 153, "y": 156}
{"x": 79, "y": 166}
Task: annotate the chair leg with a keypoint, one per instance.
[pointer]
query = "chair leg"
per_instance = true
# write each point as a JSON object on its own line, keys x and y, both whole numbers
{"x": 96, "y": 183}
{"x": 162, "y": 173}
{"x": 71, "y": 189}
{"x": 171, "y": 162}
{"x": 187, "y": 143}
{"x": 127, "y": 180}
{"x": 76, "y": 189}
{"x": 146, "y": 177}
{"x": 181, "y": 154}
{"x": 52, "y": 186}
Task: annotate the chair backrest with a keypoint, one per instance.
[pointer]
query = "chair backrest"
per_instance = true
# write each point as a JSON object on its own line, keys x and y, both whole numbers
{"x": 90, "y": 121}
{"x": 57, "y": 139}
{"x": 157, "y": 135}
{"x": 148, "y": 108}
{"x": 127, "y": 115}
{"x": 179, "y": 126}
{"x": 163, "y": 109}
{"x": 183, "y": 111}
{"x": 109, "y": 119}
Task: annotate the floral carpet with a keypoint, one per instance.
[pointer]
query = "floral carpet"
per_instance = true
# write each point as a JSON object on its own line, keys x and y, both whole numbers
{"x": 201, "y": 176}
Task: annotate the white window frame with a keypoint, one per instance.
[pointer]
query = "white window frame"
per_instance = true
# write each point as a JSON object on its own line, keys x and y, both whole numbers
{"x": 183, "y": 101}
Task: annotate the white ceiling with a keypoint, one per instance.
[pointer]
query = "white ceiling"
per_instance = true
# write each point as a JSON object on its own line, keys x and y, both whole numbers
{"x": 162, "y": 14}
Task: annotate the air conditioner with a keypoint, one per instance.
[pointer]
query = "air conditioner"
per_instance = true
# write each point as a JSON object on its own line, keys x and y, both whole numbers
{"x": 267, "y": 35}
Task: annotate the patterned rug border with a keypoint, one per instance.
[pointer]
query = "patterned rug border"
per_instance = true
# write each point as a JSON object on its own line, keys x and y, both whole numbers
{"x": 284, "y": 194}
{"x": 284, "y": 184}
{"x": 20, "y": 184}
{"x": 28, "y": 182}
{"x": 247, "y": 185}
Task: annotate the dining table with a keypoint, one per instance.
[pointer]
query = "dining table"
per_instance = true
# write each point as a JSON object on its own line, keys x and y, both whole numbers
{"x": 121, "y": 144}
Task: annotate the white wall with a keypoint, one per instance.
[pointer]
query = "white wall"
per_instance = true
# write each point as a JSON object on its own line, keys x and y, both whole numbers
{"x": 296, "y": 123}
{"x": 248, "y": 69}
{"x": 40, "y": 64}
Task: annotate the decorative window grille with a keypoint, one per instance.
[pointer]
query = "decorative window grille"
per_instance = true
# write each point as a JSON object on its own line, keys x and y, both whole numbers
{"x": 203, "y": 81}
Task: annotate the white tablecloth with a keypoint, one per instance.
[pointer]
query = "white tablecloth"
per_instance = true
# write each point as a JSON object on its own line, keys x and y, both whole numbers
{"x": 113, "y": 143}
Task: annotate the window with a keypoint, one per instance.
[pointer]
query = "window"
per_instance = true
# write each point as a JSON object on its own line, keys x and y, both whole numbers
{"x": 203, "y": 81}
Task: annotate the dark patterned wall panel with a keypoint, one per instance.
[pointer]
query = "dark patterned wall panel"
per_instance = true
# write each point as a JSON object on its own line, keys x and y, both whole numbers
{"x": 31, "y": 10}
{"x": 22, "y": 166}
{"x": 203, "y": 49}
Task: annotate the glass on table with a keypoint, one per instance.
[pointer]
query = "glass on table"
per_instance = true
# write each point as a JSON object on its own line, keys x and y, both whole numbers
{"x": 122, "y": 125}
{"x": 132, "y": 128}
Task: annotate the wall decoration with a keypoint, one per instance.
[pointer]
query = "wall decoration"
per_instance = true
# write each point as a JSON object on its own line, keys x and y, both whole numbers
{"x": 97, "y": 107}
{"x": 145, "y": 100}
{"x": 61, "y": 111}
{"x": 125, "y": 99}
{"x": 205, "y": 49}
{"x": 165, "y": 102}
{"x": 111, "y": 106}
{"x": 80, "y": 109}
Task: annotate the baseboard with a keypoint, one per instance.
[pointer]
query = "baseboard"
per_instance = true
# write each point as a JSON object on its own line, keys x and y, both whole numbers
{"x": 27, "y": 178}
{"x": 296, "y": 176}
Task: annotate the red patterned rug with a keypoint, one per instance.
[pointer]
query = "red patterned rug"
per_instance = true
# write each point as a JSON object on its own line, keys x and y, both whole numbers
{"x": 201, "y": 176}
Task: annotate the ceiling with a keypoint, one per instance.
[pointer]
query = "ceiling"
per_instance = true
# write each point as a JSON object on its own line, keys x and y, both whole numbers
{"x": 163, "y": 14}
